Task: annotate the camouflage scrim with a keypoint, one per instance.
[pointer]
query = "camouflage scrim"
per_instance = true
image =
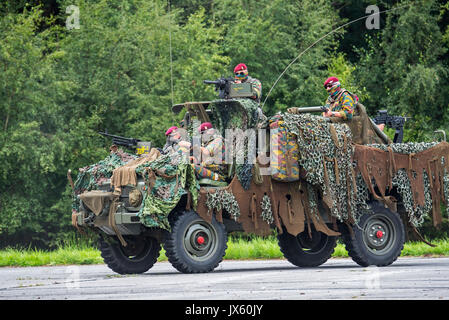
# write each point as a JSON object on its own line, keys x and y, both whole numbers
{"x": 234, "y": 114}
{"x": 168, "y": 179}
{"x": 91, "y": 177}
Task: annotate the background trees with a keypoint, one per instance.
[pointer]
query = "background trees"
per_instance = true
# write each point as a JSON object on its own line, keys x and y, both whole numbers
{"x": 130, "y": 59}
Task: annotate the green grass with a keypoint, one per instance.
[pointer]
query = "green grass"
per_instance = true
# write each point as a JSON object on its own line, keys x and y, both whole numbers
{"x": 239, "y": 248}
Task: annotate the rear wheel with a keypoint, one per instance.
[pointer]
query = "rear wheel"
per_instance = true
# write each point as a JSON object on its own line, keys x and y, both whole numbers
{"x": 378, "y": 238}
{"x": 138, "y": 256}
{"x": 195, "y": 245}
{"x": 306, "y": 251}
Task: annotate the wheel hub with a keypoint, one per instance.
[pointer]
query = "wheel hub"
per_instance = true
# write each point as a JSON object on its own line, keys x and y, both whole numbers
{"x": 199, "y": 240}
{"x": 378, "y": 235}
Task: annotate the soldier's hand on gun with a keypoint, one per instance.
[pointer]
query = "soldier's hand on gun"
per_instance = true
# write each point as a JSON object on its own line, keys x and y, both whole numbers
{"x": 292, "y": 110}
{"x": 328, "y": 114}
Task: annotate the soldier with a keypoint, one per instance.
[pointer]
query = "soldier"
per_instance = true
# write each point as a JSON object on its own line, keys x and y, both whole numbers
{"x": 241, "y": 76}
{"x": 212, "y": 154}
{"x": 174, "y": 141}
{"x": 340, "y": 102}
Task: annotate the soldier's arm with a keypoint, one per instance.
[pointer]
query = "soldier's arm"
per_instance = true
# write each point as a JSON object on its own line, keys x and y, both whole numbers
{"x": 257, "y": 89}
{"x": 327, "y": 105}
{"x": 347, "y": 106}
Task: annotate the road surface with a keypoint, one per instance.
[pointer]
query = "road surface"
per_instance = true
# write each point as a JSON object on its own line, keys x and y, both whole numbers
{"x": 407, "y": 278}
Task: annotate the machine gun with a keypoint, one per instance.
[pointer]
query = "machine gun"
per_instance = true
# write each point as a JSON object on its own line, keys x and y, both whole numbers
{"x": 222, "y": 85}
{"x": 228, "y": 89}
{"x": 394, "y": 122}
{"x": 130, "y": 143}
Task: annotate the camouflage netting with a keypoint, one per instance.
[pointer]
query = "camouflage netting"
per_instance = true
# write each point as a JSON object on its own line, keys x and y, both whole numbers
{"x": 91, "y": 177}
{"x": 223, "y": 199}
{"x": 326, "y": 156}
{"x": 267, "y": 213}
{"x": 416, "y": 213}
{"x": 234, "y": 114}
{"x": 168, "y": 178}
{"x": 237, "y": 114}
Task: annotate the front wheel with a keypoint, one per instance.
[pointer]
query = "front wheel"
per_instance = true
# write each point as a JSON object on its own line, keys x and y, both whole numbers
{"x": 195, "y": 245}
{"x": 377, "y": 239}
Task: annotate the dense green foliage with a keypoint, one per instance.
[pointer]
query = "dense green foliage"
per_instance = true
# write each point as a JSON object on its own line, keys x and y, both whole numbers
{"x": 59, "y": 86}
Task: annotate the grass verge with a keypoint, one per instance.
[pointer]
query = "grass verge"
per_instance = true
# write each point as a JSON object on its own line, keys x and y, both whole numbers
{"x": 255, "y": 248}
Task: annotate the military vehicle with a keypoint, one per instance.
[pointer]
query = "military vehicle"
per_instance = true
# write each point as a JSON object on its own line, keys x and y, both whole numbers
{"x": 305, "y": 177}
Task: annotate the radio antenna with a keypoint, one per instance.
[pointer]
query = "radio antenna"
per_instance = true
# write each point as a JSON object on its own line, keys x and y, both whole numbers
{"x": 327, "y": 34}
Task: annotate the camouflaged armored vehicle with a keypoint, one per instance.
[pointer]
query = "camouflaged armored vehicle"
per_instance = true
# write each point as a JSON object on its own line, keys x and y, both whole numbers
{"x": 308, "y": 179}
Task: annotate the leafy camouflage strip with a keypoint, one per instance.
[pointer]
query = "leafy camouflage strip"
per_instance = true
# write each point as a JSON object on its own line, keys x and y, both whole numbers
{"x": 222, "y": 199}
{"x": 168, "y": 178}
{"x": 326, "y": 156}
{"x": 267, "y": 213}
{"x": 92, "y": 176}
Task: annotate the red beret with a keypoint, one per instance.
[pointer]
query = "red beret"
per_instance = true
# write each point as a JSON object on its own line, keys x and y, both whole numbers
{"x": 170, "y": 130}
{"x": 330, "y": 80}
{"x": 240, "y": 66}
{"x": 205, "y": 126}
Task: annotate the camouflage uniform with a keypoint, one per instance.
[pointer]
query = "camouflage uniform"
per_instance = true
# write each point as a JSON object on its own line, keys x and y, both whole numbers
{"x": 343, "y": 103}
{"x": 209, "y": 168}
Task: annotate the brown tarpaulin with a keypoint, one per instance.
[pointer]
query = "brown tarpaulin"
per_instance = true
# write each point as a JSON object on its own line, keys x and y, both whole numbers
{"x": 364, "y": 131}
{"x": 126, "y": 174}
{"x": 289, "y": 204}
{"x": 381, "y": 166}
{"x": 95, "y": 200}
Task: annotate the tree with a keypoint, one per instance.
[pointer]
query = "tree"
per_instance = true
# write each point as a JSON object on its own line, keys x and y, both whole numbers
{"x": 403, "y": 71}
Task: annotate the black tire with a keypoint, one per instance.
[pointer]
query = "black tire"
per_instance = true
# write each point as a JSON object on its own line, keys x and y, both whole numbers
{"x": 378, "y": 238}
{"x": 138, "y": 256}
{"x": 303, "y": 251}
{"x": 194, "y": 245}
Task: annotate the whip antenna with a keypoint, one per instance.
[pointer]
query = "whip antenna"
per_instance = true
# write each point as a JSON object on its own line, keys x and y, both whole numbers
{"x": 171, "y": 56}
{"x": 327, "y": 34}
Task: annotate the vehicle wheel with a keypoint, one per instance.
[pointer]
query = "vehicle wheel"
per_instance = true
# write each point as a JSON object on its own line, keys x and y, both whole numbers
{"x": 303, "y": 251}
{"x": 378, "y": 239}
{"x": 195, "y": 245}
{"x": 137, "y": 257}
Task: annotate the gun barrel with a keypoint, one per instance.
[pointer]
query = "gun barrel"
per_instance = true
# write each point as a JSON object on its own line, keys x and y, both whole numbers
{"x": 211, "y": 82}
{"x": 310, "y": 109}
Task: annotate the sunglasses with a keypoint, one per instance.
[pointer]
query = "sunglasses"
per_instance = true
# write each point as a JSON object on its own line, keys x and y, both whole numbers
{"x": 240, "y": 74}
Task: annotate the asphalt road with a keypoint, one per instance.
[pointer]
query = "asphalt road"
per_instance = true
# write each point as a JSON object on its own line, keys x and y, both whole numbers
{"x": 407, "y": 278}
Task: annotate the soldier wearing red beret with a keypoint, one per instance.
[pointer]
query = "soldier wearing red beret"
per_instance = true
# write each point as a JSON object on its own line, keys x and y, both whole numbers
{"x": 241, "y": 76}
{"x": 340, "y": 102}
